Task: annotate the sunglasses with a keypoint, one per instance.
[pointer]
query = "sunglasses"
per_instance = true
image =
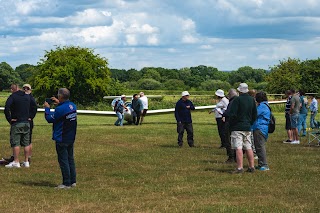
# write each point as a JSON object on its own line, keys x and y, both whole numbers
{"x": 26, "y": 88}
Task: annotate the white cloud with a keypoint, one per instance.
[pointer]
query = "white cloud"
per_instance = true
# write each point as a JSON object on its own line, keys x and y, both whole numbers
{"x": 189, "y": 39}
{"x": 153, "y": 40}
{"x": 90, "y": 17}
{"x": 131, "y": 40}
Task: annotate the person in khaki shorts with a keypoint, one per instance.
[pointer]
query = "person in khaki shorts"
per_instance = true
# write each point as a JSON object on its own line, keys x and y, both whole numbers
{"x": 243, "y": 114}
{"x": 17, "y": 112}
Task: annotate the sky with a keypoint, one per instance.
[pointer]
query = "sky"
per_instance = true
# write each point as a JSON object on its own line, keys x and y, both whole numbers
{"x": 226, "y": 34}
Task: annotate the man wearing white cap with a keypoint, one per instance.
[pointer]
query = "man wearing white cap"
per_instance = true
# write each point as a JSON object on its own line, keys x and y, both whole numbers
{"x": 119, "y": 108}
{"x": 221, "y": 107}
{"x": 144, "y": 101}
{"x": 243, "y": 114}
{"x": 184, "y": 120}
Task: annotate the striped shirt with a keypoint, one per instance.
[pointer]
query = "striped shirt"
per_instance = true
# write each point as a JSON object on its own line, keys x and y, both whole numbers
{"x": 288, "y": 104}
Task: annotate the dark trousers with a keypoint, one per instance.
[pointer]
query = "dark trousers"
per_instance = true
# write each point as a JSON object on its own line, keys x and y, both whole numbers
{"x": 260, "y": 144}
{"x": 66, "y": 162}
{"x": 230, "y": 152}
{"x": 136, "y": 117}
{"x": 180, "y": 129}
{"x": 222, "y": 131}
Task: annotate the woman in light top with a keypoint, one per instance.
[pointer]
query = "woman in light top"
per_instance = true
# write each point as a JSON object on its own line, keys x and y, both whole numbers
{"x": 221, "y": 107}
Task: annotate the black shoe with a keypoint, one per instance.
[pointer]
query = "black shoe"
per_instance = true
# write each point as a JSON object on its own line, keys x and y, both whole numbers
{"x": 191, "y": 146}
{"x": 251, "y": 170}
{"x": 9, "y": 160}
{"x": 230, "y": 160}
{"x": 237, "y": 171}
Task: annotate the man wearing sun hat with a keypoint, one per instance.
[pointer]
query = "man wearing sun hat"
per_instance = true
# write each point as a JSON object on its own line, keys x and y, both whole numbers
{"x": 243, "y": 114}
{"x": 183, "y": 116}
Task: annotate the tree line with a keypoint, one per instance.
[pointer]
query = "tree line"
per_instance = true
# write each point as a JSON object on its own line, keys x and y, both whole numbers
{"x": 89, "y": 78}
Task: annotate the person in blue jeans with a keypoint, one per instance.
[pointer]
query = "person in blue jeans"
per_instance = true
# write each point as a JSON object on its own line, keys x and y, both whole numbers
{"x": 64, "y": 120}
{"x": 119, "y": 108}
{"x": 314, "y": 110}
{"x": 302, "y": 125}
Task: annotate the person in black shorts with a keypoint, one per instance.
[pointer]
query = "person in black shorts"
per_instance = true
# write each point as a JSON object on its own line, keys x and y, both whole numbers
{"x": 287, "y": 116}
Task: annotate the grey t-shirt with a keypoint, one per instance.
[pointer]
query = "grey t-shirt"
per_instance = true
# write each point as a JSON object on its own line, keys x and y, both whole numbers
{"x": 296, "y": 101}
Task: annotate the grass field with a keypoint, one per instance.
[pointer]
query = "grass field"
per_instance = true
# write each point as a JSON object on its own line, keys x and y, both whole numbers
{"x": 140, "y": 169}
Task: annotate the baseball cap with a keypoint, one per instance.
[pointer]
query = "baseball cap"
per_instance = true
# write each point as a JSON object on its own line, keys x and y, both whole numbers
{"x": 185, "y": 93}
{"x": 27, "y": 85}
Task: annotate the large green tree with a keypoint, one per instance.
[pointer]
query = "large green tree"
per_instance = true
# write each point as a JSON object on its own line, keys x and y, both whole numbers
{"x": 284, "y": 76}
{"x": 310, "y": 75}
{"x": 8, "y": 76}
{"x": 26, "y": 71}
{"x": 86, "y": 74}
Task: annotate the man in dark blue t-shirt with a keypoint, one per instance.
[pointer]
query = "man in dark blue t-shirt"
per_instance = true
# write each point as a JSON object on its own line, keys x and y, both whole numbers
{"x": 184, "y": 121}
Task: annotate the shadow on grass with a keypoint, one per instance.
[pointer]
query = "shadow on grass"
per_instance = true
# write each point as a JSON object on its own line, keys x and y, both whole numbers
{"x": 226, "y": 171}
{"x": 37, "y": 183}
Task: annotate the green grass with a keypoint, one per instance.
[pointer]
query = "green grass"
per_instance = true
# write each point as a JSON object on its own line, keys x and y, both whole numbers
{"x": 140, "y": 169}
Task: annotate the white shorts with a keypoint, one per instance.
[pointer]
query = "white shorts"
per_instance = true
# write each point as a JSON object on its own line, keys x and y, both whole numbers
{"x": 241, "y": 140}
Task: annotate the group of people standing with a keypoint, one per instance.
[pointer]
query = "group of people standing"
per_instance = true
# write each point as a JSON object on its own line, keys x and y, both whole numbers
{"x": 296, "y": 113}
{"x": 243, "y": 123}
{"x": 139, "y": 107}
{"x": 21, "y": 109}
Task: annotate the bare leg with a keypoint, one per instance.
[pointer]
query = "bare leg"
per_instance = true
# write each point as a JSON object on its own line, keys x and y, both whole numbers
{"x": 295, "y": 134}
{"x": 289, "y": 132}
{"x": 16, "y": 152}
{"x": 250, "y": 158}
{"x": 30, "y": 151}
{"x": 142, "y": 117}
{"x": 239, "y": 154}
{"x": 26, "y": 153}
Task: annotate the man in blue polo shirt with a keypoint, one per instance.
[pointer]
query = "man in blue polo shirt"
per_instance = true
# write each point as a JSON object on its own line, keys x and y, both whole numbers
{"x": 64, "y": 119}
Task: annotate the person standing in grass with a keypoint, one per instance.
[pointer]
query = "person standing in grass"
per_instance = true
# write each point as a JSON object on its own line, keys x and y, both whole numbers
{"x": 17, "y": 112}
{"x": 294, "y": 116}
{"x": 221, "y": 107}
{"x": 243, "y": 114}
{"x": 144, "y": 100}
{"x": 288, "y": 118}
{"x": 64, "y": 120}
{"x": 137, "y": 107}
{"x": 260, "y": 130}
{"x": 119, "y": 109}
{"x": 302, "y": 125}
{"x": 314, "y": 110}
{"x": 183, "y": 116}
{"x": 230, "y": 152}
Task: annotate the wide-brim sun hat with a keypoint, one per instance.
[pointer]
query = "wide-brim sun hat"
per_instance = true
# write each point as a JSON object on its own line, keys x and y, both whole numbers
{"x": 220, "y": 93}
{"x": 185, "y": 93}
{"x": 123, "y": 96}
{"x": 243, "y": 88}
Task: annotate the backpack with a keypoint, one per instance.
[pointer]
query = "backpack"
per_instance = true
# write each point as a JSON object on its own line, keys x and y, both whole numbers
{"x": 272, "y": 123}
{"x": 115, "y": 103}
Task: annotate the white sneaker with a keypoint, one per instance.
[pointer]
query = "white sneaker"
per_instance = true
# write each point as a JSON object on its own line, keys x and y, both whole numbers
{"x": 13, "y": 165}
{"x": 63, "y": 187}
{"x": 25, "y": 164}
{"x": 73, "y": 185}
{"x": 295, "y": 142}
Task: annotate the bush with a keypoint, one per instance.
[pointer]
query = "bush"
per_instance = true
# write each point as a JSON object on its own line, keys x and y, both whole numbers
{"x": 149, "y": 84}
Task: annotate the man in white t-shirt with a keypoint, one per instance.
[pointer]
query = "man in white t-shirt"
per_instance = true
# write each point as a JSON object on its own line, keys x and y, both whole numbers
{"x": 144, "y": 101}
